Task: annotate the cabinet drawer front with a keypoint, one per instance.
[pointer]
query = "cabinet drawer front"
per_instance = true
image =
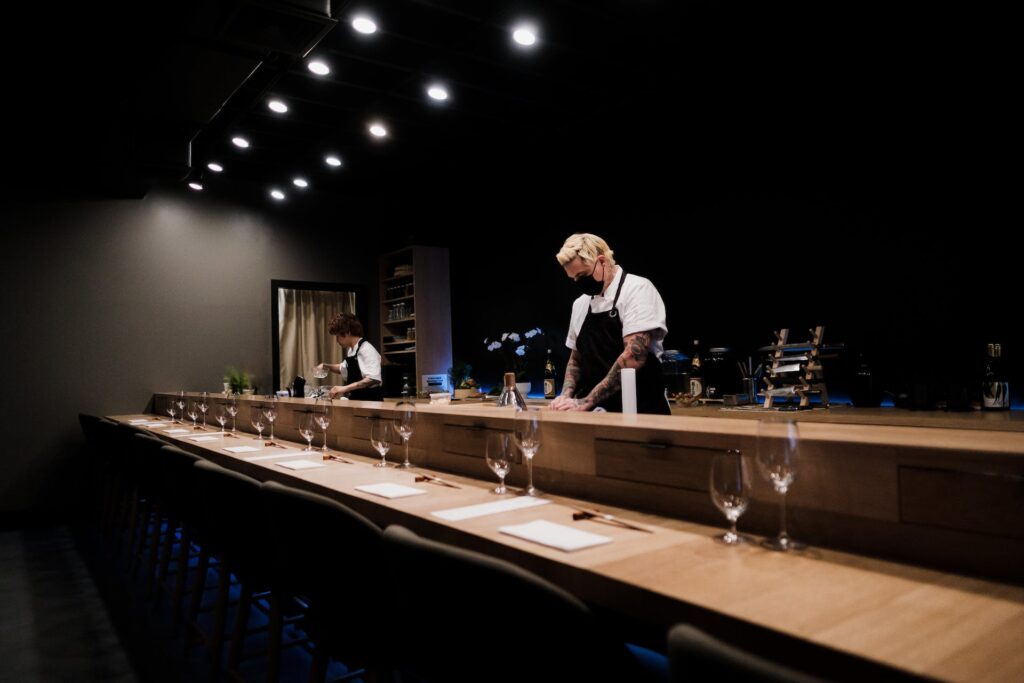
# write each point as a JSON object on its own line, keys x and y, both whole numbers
{"x": 964, "y": 501}
{"x": 654, "y": 463}
{"x": 468, "y": 440}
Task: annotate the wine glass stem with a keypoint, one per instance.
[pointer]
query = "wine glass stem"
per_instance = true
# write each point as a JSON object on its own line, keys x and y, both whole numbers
{"x": 529, "y": 473}
{"x": 406, "y": 452}
{"x": 782, "y": 517}
{"x": 324, "y": 447}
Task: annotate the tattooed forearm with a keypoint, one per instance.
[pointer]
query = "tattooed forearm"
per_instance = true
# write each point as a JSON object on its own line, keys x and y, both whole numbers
{"x": 633, "y": 356}
{"x": 572, "y": 375}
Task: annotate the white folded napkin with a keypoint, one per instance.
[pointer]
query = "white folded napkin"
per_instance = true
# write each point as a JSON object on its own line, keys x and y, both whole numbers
{"x": 555, "y": 535}
{"x": 470, "y": 511}
{"x": 300, "y": 464}
{"x": 240, "y": 449}
{"x": 204, "y": 437}
{"x": 391, "y": 490}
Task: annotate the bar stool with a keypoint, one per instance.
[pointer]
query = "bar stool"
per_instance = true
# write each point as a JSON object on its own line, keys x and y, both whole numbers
{"x": 696, "y": 656}
{"x": 233, "y": 527}
{"x": 182, "y": 512}
{"x": 499, "y": 623}
{"x": 326, "y": 553}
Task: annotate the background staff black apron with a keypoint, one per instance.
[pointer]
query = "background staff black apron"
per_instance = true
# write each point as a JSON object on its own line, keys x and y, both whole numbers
{"x": 599, "y": 345}
{"x": 355, "y": 373}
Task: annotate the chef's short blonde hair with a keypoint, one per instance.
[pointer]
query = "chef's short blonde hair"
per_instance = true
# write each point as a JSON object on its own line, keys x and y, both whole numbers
{"x": 587, "y": 246}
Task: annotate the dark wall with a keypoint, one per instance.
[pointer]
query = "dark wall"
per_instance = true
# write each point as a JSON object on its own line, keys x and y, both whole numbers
{"x": 904, "y": 279}
{"x": 105, "y": 302}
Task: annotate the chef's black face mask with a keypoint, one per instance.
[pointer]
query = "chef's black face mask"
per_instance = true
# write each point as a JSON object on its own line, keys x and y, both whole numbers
{"x": 588, "y": 285}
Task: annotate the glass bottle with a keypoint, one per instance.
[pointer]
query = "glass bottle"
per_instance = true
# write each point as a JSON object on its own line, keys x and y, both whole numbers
{"x": 549, "y": 377}
{"x": 995, "y": 389}
{"x": 406, "y": 387}
{"x": 696, "y": 372}
{"x": 510, "y": 395}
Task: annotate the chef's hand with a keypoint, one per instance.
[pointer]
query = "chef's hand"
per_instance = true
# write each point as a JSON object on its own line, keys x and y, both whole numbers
{"x": 337, "y": 391}
{"x": 563, "y": 403}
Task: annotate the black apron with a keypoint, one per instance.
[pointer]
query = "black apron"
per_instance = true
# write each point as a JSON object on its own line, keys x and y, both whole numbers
{"x": 599, "y": 345}
{"x": 355, "y": 373}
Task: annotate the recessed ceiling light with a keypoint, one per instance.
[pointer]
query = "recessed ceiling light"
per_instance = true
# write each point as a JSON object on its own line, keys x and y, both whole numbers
{"x": 195, "y": 186}
{"x": 525, "y": 35}
{"x": 364, "y": 24}
{"x": 377, "y": 129}
{"x": 214, "y": 166}
{"x": 277, "y": 194}
{"x": 438, "y": 92}
{"x": 332, "y": 160}
{"x": 319, "y": 68}
{"x": 278, "y": 106}
{"x": 300, "y": 182}
{"x": 240, "y": 142}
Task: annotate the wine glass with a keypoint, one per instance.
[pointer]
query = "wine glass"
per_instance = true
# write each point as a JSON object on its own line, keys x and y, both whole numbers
{"x": 193, "y": 412}
{"x": 730, "y": 491}
{"x": 527, "y": 435}
{"x": 777, "y": 450}
{"x": 232, "y": 409}
{"x": 256, "y": 417}
{"x": 181, "y": 404}
{"x": 171, "y": 409}
{"x": 499, "y": 457}
{"x": 405, "y": 422}
{"x": 307, "y": 427}
{"x": 381, "y": 433}
{"x": 322, "y": 414}
{"x": 220, "y": 413}
{"x": 203, "y": 406}
{"x": 270, "y": 412}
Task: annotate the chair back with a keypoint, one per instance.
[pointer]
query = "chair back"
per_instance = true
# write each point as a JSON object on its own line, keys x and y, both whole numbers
{"x": 467, "y": 616}
{"x": 693, "y": 655}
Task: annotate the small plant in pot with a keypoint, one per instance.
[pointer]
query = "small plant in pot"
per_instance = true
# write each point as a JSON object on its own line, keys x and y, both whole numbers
{"x": 461, "y": 382}
{"x": 237, "y": 381}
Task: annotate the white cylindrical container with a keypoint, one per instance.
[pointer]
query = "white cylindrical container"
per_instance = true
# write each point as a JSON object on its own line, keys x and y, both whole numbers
{"x": 628, "y": 381}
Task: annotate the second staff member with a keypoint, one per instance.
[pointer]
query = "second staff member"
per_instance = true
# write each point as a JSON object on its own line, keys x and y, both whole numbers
{"x": 360, "y": 367}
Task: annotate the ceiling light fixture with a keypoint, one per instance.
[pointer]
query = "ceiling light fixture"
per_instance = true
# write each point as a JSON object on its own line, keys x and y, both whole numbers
{"x": 364, "y": 24}
{"x": 319, "y": 68}
{"x": 332, "y": 160}
{"x": 278, "y": 106}
{"x": 241, "y": 142}
{"x": 195, "y": 186}
{"x": 437, "y": 92}
{"x": 215, "y": 167}
{"x": 277, "y": 194}
{"x": 300, "y": 182}
{"x": 525, "y": 35}
{"x": 377, "y": 129}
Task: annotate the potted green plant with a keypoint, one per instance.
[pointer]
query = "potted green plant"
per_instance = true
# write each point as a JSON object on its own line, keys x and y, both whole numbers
{"x": 236, "y": 380}
{"x": 462, "y": 383}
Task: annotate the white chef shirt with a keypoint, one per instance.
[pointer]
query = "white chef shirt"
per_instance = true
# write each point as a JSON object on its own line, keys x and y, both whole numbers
{"x": 369, "y": 362}
{"x": 640, "y": 309}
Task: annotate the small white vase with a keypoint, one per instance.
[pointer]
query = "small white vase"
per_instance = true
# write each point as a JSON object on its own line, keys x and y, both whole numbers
{"x": 524, "y": 388}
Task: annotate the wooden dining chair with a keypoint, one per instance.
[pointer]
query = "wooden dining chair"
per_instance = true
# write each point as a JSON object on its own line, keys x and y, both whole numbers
{"x": 693, "y": 655}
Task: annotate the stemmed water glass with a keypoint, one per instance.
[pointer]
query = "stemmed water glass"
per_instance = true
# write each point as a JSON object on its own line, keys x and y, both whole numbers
{"x": 405, "y": 422}
{"x": 270, "y": 412}
{"x": 499, "y": 457}
{"x": 322, "y": 415}
{"x": 181, "y": 404}
{"x": 171, "y": 411}
{"x": 220, "y": 413}
{"x": 307, "y": 425}
{"x": 232, "y": 408}
{"x": 193, "y": 412}
{"x": 381, "y": 433}
{"x": 203, "y": 406}
{"x": 777, "y": 451}
{"x": 256, "y": 417}
{"x": 527, "y": 435}
{"x": 730, "y": 491}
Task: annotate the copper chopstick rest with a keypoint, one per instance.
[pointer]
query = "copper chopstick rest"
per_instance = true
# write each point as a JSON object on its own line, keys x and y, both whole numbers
{"x": 331, "y": 456}
{"x": 436, "y": 480}
{"x": 584, "y": 513}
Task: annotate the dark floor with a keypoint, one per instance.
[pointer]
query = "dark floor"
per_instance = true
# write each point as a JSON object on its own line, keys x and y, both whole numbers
{"x": 69, "y": 614}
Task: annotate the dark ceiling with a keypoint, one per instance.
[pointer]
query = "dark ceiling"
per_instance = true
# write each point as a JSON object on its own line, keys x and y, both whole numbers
{"x": 618, "y": 95}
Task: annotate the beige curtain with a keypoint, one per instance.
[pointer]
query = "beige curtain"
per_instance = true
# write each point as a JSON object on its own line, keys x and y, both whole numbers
{"x": 303, "y": 316}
